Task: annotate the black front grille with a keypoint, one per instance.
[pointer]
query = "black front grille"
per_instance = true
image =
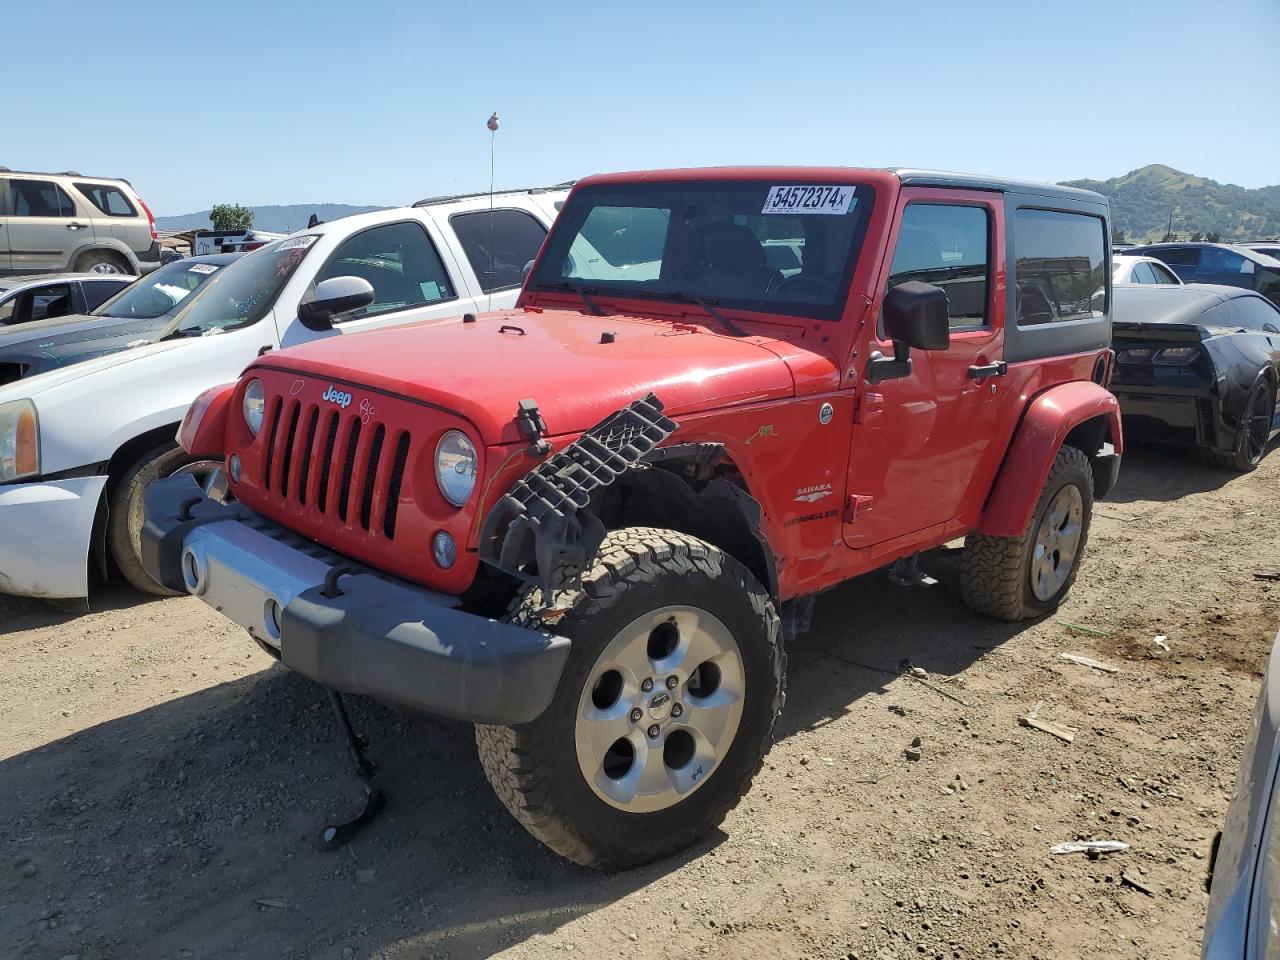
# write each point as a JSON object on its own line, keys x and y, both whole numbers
{"x": 302, "y": 444}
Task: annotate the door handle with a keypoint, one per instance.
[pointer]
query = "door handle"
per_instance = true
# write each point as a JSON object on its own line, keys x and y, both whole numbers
{"x": 75, "y": 226}
{"x": 997, "y": 369}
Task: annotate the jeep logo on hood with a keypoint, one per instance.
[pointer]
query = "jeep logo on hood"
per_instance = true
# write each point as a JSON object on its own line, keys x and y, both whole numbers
{"x": 337, "y": 396}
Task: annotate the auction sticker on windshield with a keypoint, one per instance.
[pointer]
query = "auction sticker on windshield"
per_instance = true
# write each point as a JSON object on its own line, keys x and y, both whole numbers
{"x": 203, "y": 268}
{"x": 793, "y": 198}
{"x": 296, "y": 242}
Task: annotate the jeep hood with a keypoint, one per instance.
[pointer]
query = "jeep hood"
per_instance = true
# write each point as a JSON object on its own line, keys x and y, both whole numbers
{"x": 483, "y": 369}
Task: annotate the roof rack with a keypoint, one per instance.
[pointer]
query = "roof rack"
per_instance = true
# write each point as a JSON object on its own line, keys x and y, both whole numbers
{"x": 60, "y": 173}
{"x": 432, "y": 201}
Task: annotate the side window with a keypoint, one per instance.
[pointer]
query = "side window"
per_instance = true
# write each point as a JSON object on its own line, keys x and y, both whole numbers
{"x": 1163, "y": 274}
{"x": 98, "y": 292}
{"x": 39, "y": 198}
{"x": 40, "y": 303}
{"x": 108, "y": 199}
{"x": 1255, "y": 313}
{"x": 400, "y": 263}
{"x": 1215, "y": 261}
{"x": 1177, "y": 256}
{"x": 947, "y": 245}
{"x": 1061, "y": 271}
{"x": 498, "y": 244}
{"x": 1142, "y": 273}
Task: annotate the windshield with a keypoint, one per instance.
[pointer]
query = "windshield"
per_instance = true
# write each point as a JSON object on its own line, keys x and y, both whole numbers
{"x": 159, "y": 293}
{"x": 243, "y": 293}
{"x": 758, "y": 245}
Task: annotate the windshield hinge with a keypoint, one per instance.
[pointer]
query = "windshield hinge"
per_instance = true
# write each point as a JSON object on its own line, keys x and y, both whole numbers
{"x": 532, "y": 427}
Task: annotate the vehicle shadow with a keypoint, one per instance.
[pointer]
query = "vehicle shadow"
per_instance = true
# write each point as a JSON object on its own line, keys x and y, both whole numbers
{"x": 1158, "y": 473}
{"x": 191, "y": 825}
{"x": 29, "y": 613}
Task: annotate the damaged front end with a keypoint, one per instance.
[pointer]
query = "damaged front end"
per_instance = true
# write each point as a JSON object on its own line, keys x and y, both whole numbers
{"x": 543, "y": 522}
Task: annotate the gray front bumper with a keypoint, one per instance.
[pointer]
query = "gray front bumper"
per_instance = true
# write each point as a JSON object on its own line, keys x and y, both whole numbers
{"x": 359, "y": 632}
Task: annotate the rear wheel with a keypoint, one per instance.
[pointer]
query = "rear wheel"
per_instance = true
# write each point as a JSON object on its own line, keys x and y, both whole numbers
{"x": 1253, "y": 433}
{"x": 1016, "y": 578}
{"x": 102, "y": 262}
{"x": 124, "y": 519}
{"x": 664, "y": 711}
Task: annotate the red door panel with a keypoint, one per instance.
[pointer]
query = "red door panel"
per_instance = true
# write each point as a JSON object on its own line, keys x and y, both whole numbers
{"x": 924, "y": 446}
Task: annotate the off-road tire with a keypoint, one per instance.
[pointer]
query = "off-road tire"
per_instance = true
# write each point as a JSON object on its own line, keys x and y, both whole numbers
{"x": 1239, "y": 460}
{"x": 533, "y": 767}
{"x": 87, "y": 261}
{"x": 124, "y": 514}
{"x": 996, "y": 573}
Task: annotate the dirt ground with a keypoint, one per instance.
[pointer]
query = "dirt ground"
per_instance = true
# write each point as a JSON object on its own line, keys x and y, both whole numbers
{"x": 162, "y": 782}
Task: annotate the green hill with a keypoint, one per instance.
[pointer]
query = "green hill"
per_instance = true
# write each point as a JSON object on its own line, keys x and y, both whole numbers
{"x": 1141, "y": 202}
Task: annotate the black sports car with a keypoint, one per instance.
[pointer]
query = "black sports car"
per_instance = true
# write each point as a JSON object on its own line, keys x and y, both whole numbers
{"x": 1198, "y": 365}
{"x": 1228, "y": 264}
{"x": 139, "y": 313}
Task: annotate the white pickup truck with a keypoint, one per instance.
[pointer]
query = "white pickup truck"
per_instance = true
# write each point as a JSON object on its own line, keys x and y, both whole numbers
{"x": 78, "y": 445}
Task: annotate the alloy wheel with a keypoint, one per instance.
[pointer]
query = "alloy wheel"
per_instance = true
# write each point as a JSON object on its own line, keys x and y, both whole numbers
{"x": 660, "y": 709}
{"x": 1057, "y": 543}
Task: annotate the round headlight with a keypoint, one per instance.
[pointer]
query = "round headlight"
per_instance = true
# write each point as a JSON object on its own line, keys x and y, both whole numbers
{"x": 254, "y": 406}
{"x": 456, "y": 467}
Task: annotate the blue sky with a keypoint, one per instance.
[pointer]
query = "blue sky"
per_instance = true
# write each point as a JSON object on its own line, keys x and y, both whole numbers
{"x": 290, "y": 102}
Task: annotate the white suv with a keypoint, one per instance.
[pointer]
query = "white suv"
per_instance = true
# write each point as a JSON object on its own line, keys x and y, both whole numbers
{"x": 79, "y": 444}
{"x": 63, "y": 222}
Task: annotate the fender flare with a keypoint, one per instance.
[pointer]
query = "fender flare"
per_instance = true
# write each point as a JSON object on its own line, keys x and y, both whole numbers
{"x": 1049, "y": 419}
{"x": 203, "y": 430}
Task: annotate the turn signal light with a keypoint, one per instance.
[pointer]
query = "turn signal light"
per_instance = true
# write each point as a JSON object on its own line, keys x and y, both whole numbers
{"x": 27, "y": 449}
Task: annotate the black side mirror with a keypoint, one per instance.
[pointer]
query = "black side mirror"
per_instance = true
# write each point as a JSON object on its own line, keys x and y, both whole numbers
{"x": 335, "y": 296}
{"x": 915, "y": 315}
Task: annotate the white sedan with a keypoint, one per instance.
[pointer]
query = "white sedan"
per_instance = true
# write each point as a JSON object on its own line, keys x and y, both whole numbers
{"x": 1141, "y": 270}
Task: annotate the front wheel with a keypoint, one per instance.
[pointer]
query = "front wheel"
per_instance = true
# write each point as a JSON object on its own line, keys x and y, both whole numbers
{"x": 124, "y": 516}
{"x": 1016, "y": 578}
{"x": 665, "y": 709}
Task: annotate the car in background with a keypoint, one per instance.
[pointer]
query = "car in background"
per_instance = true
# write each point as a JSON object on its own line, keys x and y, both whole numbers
{"x": 1270, "y": 248}
{"x": 28, "y": 299}
{"x": 78, "y": 446}
{"x": 1220, "y": 263}
{"x": 1198, "y": 365}
{"x": 232, "y": 241}
{"x": 65, "y": 222}
{"x": 1126, "y": 269}
{"x": 140, "y": 313}
{"x": 1243, "y": 919}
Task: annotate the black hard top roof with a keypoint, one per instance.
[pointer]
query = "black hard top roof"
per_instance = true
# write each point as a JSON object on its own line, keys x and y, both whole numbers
{"x": 1160, "y": 303}
{"x": 913, "y": 177}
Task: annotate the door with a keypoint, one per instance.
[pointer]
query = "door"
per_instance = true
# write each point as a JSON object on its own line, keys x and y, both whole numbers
{"x": 410, "y": 280}
{"x": 44, "y": 227}
{"x": 919, "y": 445}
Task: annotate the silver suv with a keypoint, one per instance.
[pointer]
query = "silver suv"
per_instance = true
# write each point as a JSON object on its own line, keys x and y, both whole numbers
{"x": 63, "y": 222}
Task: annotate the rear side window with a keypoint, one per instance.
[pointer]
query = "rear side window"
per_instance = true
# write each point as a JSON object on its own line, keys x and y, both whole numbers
{"x": 946, "y": 245}
{"x": 39, "y": 198}
{"x": 1215, "y": 261}
{"x": 1163, "y": 274}
{"x": 108, "y": 199}
{"x": 498, "y": 244}
{"x": 98, "y": 292}
{"x": 1061, "y": 268}
{"x": 1142, "y": 273}
{"x": 1255, "y": 313}
{"x": 400, "y": 263}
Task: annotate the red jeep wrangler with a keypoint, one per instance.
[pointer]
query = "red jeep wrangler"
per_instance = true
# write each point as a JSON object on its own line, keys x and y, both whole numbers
{"x": 587, "y": 524}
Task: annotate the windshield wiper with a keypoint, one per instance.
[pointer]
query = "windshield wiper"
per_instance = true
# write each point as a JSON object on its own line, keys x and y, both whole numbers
{"x": 591, "y": 304}
{"x": 708, "y": 305}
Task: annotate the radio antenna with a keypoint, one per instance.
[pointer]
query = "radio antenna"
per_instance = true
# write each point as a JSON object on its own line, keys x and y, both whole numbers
{"x": 493, "y": 136}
